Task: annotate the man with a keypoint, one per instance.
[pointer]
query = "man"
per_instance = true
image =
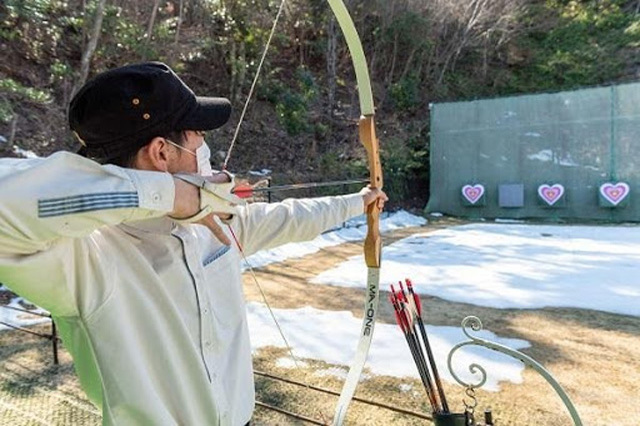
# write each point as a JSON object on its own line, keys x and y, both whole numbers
{"x": 142, "y": 279}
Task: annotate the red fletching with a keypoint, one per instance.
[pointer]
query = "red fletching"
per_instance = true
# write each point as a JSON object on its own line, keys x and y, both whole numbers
{"x": 394, "y": 296}
{"x": 243, "y": 191}
{"x": 393, "y": 301}
{"x": 418, "y": 304}
{"x": 400, "y": 294}
{"x": 396, "y": 309}
{"x": 409, "y": 284}
{"x": 401, "y": 323}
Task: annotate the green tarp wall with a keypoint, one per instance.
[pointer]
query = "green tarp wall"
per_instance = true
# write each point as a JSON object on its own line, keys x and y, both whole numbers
{"x": 580, "y": 139}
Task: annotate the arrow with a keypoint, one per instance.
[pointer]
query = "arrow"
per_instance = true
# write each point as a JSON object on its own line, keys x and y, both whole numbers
{"x": 403, "y": 317}
{"x": 246, "y": 191}
{"x": 425, "y": 340}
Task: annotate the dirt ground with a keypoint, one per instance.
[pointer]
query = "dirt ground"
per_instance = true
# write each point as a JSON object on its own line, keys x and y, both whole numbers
{"x": 595, "y": 356}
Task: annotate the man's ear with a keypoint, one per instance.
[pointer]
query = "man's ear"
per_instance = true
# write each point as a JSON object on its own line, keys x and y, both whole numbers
{"x": 154, "y": 155}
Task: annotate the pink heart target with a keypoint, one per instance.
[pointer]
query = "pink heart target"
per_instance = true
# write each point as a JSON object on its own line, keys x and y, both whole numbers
{"x": 472, "y": 193}
{"x": 614, "y": 192}
{"x": 551, "y": 193}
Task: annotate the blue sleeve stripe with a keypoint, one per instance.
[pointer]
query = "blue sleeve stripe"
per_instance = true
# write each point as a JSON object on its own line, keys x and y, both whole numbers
{"x": 95, "y": 196}
{"x": 70, "y": 204}
{"x": 89, "y": 202}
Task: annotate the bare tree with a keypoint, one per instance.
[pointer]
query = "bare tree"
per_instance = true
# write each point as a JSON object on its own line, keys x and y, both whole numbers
{"x": 152, "y": 20}
{"x": 12, "y": 132}
{"x": 332, "y": 59}
{"x": 180, "y": 15}
{"x": 238, "y": 66}
{"x": 87, "y": 55}
{"x": 462, "y": 24}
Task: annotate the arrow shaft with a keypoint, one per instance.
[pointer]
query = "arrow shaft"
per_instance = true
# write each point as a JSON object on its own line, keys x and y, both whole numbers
{"x": 305, "y": 185}
{"x": 421, "y": 363}
{"x": 432, "y": 362}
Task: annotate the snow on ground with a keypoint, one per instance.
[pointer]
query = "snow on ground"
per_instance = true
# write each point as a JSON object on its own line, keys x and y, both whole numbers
{"x": 331, "y": 336}
{"x": 17, "y": 318}
{"x": 514, "y": 266}
{"x": 496, "y": 265}
{"x": 405, "y": 387}
{"x": 24, "y": 152}
{"x": 289, "y": 362}
{"x": 263, "y": 172}
{"x": 353, "y": 230}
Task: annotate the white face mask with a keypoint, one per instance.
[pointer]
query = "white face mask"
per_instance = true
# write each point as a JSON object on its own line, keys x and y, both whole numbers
{"x": 203, "y": 157}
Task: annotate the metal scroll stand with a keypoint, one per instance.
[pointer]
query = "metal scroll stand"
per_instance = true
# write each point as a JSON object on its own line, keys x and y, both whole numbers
{"x": 472, "y": 323}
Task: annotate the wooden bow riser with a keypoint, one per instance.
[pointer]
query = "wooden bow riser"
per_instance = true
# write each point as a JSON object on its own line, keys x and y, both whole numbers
{"x": 372, "y": 243}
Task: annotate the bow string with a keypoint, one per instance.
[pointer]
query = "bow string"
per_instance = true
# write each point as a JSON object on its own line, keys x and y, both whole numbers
{"x": 373, "y": 242}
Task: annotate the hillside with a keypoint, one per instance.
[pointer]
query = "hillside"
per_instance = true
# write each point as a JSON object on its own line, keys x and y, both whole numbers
{"x": 301, "y": 123}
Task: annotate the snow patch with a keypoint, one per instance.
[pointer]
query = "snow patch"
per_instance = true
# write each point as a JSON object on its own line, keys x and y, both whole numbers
{"x": 23, "y": 152}
{"x": 330, "y": 336}
{"x": 514, "y": 266}
{"x": 19, "y": 318}
{"x": 288, "y": 362}
{"x": 339, "y": 372}
{"x": 501, "y": 220}
{"x": 405, "y": 387}
{"x": 263, "y": 172}
{"x": 353, "y": 230}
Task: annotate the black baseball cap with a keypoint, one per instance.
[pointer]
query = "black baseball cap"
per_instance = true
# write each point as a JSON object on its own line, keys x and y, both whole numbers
{"x": 121, "y": 110}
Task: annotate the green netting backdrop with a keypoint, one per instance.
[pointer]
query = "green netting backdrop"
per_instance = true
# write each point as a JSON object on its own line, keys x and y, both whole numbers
{"x": 580, "y": 139}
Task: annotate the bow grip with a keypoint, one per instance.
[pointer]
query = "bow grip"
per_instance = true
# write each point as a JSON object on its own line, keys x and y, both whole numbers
{"x": 372, "y": 242}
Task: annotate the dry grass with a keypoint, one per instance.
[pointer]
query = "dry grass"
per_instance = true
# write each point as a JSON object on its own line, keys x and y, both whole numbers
{"x": 33, "y": 391}
{"x": 594, "y": 355}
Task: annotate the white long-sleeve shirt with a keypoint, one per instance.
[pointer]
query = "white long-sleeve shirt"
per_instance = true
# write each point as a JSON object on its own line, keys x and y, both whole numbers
{"x": 152, "y": 312}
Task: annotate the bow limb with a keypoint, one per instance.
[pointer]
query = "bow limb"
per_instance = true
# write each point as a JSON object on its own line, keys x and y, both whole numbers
{"x": 373, "y": 243}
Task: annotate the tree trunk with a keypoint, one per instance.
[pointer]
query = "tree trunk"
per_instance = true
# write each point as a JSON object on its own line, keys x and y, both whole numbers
{"x": 409, "y": 61}
{"x": 394, "y": 57}
{"x": 12, "y": 132}
{"x": 152, "y": 20}
{"x": 332, "y": 42}
{"x": 180, "y": 13}
{"x": 84, "y": 27}
{"x": 87, "y": 55}
{"x": 233, "y": 61}
{"x": 242, "y": 66}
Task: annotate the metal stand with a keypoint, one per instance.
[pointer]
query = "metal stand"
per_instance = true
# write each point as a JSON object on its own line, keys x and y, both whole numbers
{"x": 54, "y": 332}
{"x": 451, "y": 419}
{"x": 475, "y": 325}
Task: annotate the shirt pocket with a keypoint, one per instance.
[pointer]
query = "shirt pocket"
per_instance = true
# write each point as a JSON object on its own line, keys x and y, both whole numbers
{"x": 223, "y": 285}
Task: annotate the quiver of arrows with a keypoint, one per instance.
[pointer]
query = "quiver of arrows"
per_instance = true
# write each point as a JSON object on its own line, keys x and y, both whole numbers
{"x": 408, "y": 311}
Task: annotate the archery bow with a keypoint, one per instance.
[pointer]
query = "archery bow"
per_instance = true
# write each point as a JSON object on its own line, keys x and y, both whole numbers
{"x": 373, "y": 243}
